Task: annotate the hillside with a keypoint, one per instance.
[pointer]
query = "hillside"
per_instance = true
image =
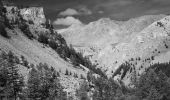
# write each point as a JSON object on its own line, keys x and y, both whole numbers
{"x": 103, "y": 60}
{"x": 23, "y": 26}
{"x": 138, "y": 42}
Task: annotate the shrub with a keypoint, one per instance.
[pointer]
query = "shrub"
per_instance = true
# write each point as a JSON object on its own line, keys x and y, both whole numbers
{"x": 3, "y": 31}
{"x": 152, "y": 57}
{"x": 7, "y": 24}
{"x": 30, "y": 22}
{"x": 43, "y": 38}
{"x": 53, "y": 44}
{"x": 160, "y": 24}
{"x": 166, "y": 46}
{"x": 67, "y": 73}
{"x": 125, "y": 67}
{"x": 25, "y": 29}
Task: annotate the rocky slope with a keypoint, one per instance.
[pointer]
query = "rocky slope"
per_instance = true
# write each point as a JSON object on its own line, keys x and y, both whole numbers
{"x": 32, "y": 50}
{"x": 136, "y": 43}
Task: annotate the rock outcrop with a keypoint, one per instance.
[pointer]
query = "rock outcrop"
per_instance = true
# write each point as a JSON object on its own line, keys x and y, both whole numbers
{"x": 35, "y": 14}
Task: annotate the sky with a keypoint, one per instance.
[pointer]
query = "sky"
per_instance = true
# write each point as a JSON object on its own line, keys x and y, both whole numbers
{"x": 85, "y": 11}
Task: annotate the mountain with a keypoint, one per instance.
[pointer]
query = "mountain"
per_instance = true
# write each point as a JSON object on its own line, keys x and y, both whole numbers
{"x": 21, "y": 29}
{"x": 136, "y": 43}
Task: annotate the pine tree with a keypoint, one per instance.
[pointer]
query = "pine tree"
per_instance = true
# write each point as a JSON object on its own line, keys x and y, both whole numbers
{"x": 67, "y": 73}
{"x": 153, "y": 86}
{"x": 34, "y": 84}
{"x": 153, "y": 94}
{"x": 3, "y": 32}
{"x": 15, "y": 81}
{"x": 44, "y": 84}
{"x": 11, "y": 79}
{"x": 43, "y": 38}
{"x": 3, "y": 78}
{"x": 70, "y": 73}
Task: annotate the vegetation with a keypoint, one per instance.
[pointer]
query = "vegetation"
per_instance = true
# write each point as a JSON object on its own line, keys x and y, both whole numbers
{"x": 43, "y": 38}
{"x": 25, "y": 29}
{"x": 7, "y": 23}
{"x": 43, "y": 82}
{"x": 125, "y": 67}
{"x": 67, "y": 73}
{"x": 160, "y": 24}
{"x": 82, "y": 93}
{"x": 4, "y": 24}
{"x": 58, "y": 43}
{"x": 154, "y": 84}
{"x": 3, "y": 31}
{"x": 102, "y": 89}
{"x": 11, "y": 82}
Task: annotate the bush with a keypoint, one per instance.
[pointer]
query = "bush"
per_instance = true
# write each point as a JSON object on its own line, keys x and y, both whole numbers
{"x": 67, "y": 73}
{"x": 3, "y": 31}
{"x": 125, "y": 67}
{"x": 7, "y": 24}
{"x": 43, "y": 38}
{"x": 30, "y": 22}
{"x": 25, "y": 29}
{"x": 53, "y": 44}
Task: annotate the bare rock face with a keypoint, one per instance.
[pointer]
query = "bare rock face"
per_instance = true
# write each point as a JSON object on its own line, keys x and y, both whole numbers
{"x": 35, "y": 14}
{"x": 31, "y": 14}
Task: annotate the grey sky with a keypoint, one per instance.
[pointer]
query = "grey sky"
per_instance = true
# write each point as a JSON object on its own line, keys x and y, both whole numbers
{"x": 114, "y": 9}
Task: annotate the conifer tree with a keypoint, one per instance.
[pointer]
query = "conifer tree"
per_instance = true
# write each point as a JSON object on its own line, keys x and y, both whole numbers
{"x": 44, "y": 84}
{"x": 34, "y": 84}
{"x": 11, "y": 79}
{"x": 67, "y": 73}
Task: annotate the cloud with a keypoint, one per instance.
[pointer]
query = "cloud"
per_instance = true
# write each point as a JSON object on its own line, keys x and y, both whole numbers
{"x": 69, "y": 12}
{"x": 100, "y": 12}
{"x": 80, "y": 10}
{"x": 67, "y": 21}
{"x": 116, "y": 9}
{"x": 83, "y": 10}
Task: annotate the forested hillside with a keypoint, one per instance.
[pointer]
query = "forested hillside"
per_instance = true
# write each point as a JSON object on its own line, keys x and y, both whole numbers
{"x": 38, "y": 63}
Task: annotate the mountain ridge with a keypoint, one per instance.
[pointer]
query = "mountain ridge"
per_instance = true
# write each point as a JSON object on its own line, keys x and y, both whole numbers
{"x": 136, "y": 39}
